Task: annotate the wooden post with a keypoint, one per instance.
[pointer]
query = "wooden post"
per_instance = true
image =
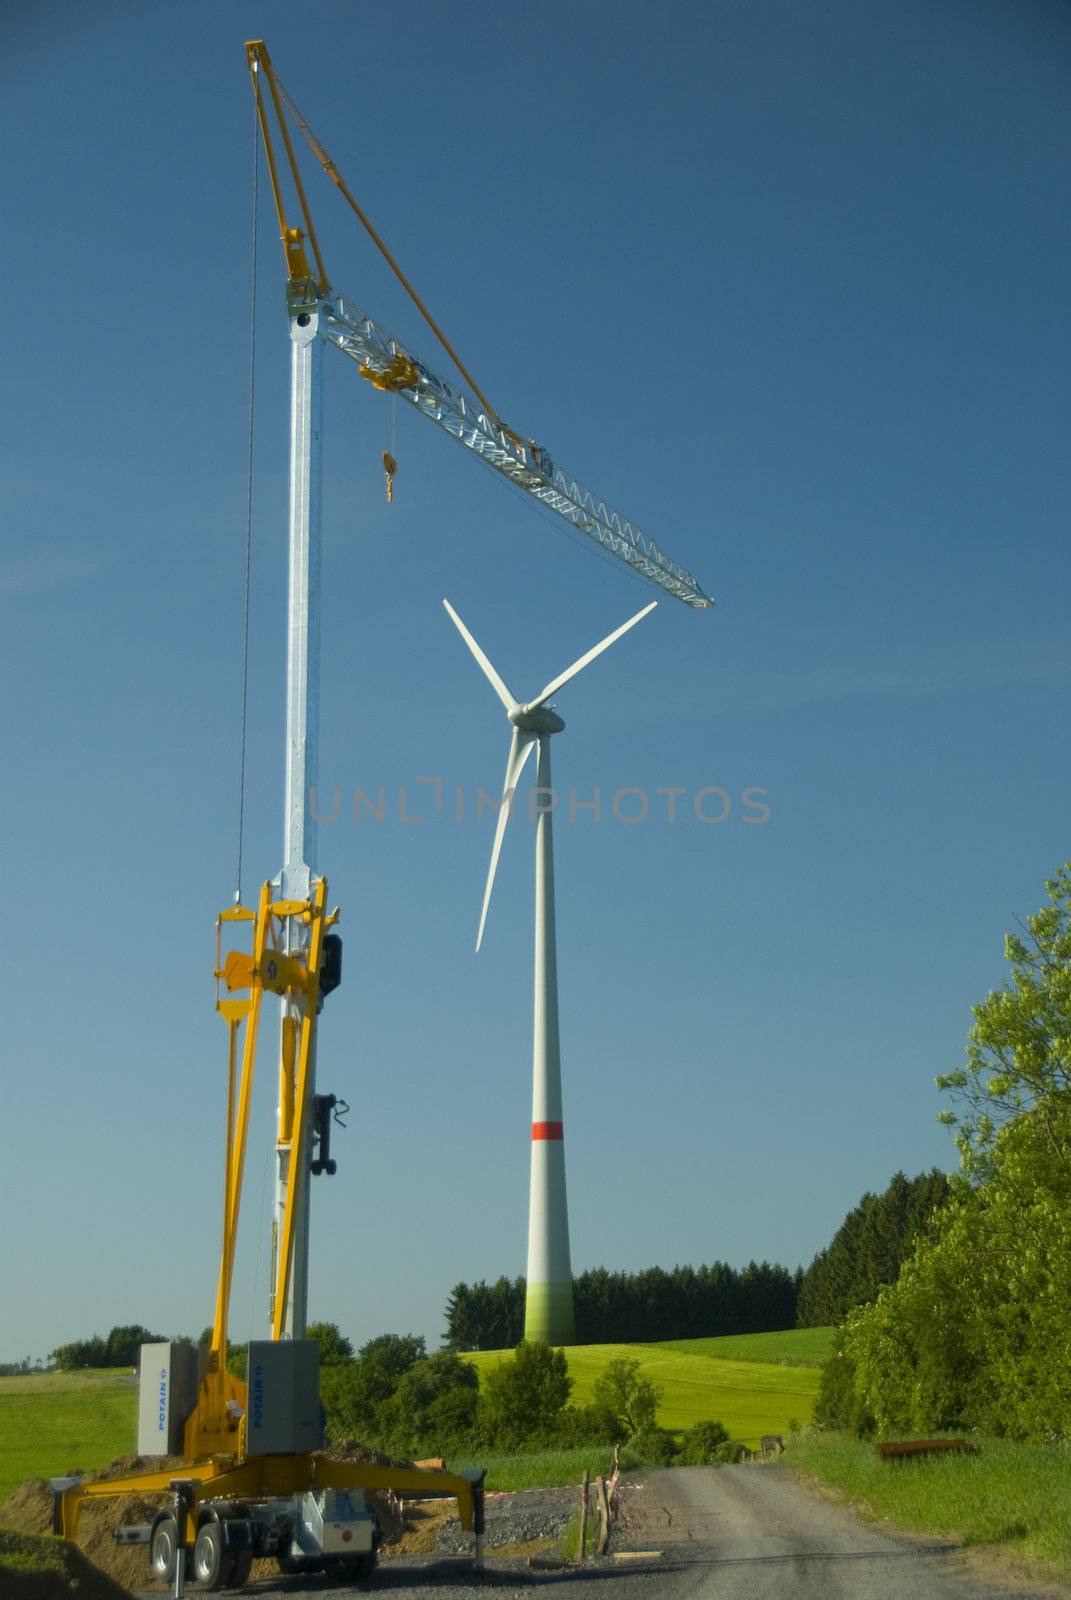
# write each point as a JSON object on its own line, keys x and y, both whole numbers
{"x": 583, "y": 1553}
{"x": 604, "y": 1516}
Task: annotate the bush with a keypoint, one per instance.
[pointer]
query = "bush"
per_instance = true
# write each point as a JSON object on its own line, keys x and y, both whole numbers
{"x": 652, "y": 1447}
{"x": 839, "y": 1404}
{"x": 582, "y": 1425}
{"x": 700, "y": 1442}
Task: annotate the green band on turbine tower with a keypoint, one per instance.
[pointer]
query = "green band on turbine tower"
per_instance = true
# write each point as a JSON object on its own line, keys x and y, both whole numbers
{"x": 548, "y": 1314}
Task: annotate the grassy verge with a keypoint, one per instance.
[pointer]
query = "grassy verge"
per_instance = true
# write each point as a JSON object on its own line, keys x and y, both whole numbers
{"x": 1012, "y": 1497}
{"x": 542, "y": 1469}
{"x": 52, "y": 1422}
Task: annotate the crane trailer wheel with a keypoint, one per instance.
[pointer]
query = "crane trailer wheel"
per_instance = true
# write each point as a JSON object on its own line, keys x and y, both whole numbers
{"x": 162, "y": 1547}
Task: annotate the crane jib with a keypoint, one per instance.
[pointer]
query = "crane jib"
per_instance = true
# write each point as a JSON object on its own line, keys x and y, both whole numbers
{"x": 527, "y": 465}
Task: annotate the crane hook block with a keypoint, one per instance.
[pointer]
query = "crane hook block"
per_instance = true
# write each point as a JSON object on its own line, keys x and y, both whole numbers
{"x": 390, "y": 467}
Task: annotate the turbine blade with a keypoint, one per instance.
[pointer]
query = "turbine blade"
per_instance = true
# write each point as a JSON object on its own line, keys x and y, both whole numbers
{"x": 577, "y": 666}
{"x": 482, "y": 662}
{"x": 520, "y": 746}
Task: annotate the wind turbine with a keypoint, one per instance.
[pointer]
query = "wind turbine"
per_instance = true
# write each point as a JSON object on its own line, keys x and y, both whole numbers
{"x": 548, "y": 1311}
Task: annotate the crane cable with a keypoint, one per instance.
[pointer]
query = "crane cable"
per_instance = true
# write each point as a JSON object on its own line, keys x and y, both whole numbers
{"x": 337, "y": 179}
{"x": 243, "y": 719}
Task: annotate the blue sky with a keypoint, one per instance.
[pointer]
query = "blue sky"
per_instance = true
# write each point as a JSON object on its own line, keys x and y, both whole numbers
{"x": 786, "y": 284}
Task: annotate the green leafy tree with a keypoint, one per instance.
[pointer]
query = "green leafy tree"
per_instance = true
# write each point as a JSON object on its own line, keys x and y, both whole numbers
{"x": 1019, "y": 1049}
{"x": 523, "y": 1397}
{"x": 353, "y": 1391}
{"x": 120, "y": 1348}
{"x": 334, "y": 1346}
{"x": 433, "y": 1408}
{"x": 627, "y": 1400}
{"x": 973, "y": 1334}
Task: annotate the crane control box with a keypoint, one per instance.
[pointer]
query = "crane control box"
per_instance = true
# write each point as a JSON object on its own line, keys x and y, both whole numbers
{"x": 283, "y": 1386}
{"x": 167, "y": 1393}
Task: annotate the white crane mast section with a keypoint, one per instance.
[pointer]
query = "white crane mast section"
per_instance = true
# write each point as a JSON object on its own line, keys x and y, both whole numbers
{"x": 529, "y": 466}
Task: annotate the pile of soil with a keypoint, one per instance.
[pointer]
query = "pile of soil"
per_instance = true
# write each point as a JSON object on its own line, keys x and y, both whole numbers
{"x": 29, "y": 1511}
{"x": 30, "y": 1508}
{"x": 33, "y": 1567}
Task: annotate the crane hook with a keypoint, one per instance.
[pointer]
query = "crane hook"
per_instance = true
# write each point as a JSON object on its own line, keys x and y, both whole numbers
{"x": 390, "y": 467}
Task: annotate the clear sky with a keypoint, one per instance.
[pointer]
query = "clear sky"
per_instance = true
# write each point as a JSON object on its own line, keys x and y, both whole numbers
{"x": 788, "y": 285}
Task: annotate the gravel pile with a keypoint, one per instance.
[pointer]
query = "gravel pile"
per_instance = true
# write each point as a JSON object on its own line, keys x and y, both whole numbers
{"x": 514, "y": 1519}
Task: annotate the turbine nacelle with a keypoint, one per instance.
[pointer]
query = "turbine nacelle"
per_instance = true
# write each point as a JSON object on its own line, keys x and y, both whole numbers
{"x": 536, "y": 719}
{"x": 531, "y": 722}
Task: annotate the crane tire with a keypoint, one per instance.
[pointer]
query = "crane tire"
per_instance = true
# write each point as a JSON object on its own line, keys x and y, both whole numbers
{"x": 163, "y": 1548}
{"x": 213, "y": 1563}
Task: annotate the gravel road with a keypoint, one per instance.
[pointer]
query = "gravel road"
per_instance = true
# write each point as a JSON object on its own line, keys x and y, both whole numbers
{"x": 726, "y": 1533}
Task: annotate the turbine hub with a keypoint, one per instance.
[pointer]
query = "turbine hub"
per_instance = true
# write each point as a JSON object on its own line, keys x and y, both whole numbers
{"x": 541, "y": 720}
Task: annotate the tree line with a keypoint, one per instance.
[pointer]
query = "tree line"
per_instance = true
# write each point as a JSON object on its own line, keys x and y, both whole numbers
{"x": 869, "y": 1248}
{"x": 972, "y": 1335}
{"x": 634, "y": 1307}
{"x": 119, "y": 1348}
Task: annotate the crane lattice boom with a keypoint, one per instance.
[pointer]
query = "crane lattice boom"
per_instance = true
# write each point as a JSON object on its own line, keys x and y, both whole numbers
{"x": 529, "y": 466}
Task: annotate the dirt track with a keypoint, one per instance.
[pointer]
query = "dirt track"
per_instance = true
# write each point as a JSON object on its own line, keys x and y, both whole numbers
{"x": 729, "y": 1533}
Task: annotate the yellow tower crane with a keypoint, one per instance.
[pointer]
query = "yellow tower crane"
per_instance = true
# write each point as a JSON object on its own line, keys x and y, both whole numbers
{"x": 254, "y": 1481}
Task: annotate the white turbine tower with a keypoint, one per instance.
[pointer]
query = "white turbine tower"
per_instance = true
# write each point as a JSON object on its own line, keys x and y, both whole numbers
{"x": 548, "y": 1312}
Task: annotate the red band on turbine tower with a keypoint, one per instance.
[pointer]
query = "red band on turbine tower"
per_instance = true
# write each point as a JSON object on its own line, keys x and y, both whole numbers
{"x": 547, "y": 1130}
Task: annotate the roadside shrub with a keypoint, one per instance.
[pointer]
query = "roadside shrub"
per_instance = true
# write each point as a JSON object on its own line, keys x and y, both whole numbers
{"x": 701, "y": 1441}
{"x": 652, "y": 1447}
{"x": 581, "y": 1425}
{"x": 839, "y": 1403}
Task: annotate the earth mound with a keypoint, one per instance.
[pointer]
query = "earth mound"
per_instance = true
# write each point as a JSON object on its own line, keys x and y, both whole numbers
{"x": 40, "y": 1567}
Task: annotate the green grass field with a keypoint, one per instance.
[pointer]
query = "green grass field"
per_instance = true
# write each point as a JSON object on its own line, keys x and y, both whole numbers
{"x": 744, "y": 1381}
{"x": 54, "y": 1421}
{"x": 1011, "y": 1496}
{"x": 797, "y": 1347}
